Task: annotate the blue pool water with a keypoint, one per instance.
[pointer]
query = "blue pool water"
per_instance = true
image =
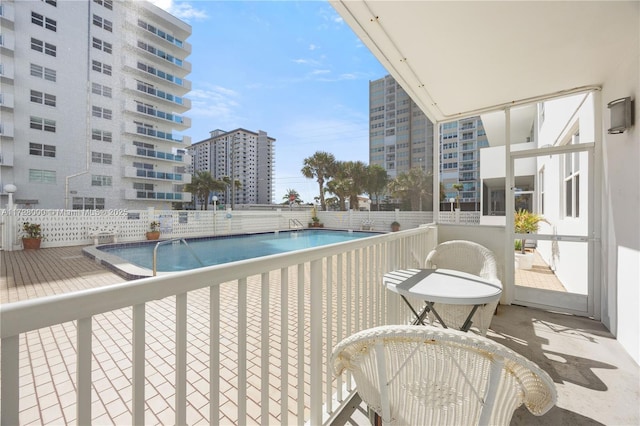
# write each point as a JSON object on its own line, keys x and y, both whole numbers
{"x": 215, "y": 251}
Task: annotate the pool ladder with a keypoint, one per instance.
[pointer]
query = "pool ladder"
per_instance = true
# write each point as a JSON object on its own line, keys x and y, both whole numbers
{"x": 172, "y": 241}
{"x": 295, "y": 224}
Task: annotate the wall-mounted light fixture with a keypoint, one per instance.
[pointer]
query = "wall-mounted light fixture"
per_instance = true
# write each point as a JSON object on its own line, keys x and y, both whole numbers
{"x": 621, "y": 115}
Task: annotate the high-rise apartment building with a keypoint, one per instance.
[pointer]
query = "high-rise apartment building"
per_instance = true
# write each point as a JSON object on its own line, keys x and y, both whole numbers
{"x": 240, "y": 155}
{"x": 400, "y": 135}
{"x": 401, "y": 138}
{"x": 91, "y": 99}
{"x": 460, "y": 144}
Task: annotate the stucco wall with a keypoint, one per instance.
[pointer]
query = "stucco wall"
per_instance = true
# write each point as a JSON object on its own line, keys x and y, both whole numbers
{"x": 620, "y": 186}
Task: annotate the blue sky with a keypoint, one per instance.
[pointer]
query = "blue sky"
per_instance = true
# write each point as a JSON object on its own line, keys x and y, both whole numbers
{"x": 291, "y": 68}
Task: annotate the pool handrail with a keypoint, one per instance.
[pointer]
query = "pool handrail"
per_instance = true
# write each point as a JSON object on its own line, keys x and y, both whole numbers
{"x": 296, "y": 224}
{"x": 155, "y": 251}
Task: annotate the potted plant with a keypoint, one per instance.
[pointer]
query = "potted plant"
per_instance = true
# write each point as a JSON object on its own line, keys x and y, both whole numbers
{"x": 395, "y": 226}
{"x": 154, "y": 232}
{"x": 315, "y": 222}
{"x": 525, "y": 222}
{"x": 32, "y": 235}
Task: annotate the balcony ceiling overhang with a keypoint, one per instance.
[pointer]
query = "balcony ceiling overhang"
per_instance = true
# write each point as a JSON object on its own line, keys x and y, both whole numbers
{"x": 458, "y": 59}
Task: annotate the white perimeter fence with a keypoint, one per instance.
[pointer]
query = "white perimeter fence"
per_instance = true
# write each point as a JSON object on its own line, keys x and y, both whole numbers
{"x": 73, "y": 227}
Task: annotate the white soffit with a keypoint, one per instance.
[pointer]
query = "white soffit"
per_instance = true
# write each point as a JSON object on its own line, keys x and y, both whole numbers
{"x": 456, "y": 58}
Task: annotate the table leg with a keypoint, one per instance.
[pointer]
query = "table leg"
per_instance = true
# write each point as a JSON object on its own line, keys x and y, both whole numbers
{"x": 467, "y": 324}
{"x": 430, "y": 307}
{"x": 419, "y": 317}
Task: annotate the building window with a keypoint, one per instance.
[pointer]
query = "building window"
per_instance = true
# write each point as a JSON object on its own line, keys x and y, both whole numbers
{"x": 53, "y": 3}
{"x": 42, "y": 72}
{"x": 100, "y": 112}
{"x": 98, "y": 21}
{"x": 43, "y": 98}
{"x": 106, "y": 3}
{"x": 99, "y": 180}
{"x": 99, "y": 89}
{"x": 101, "y": 135}
{"x": 42, "y": 21}
{"x": 102, "y": 45}
{"x": 87, "y": 203}
{"x": 100, "y": 67}
{"x": 40, "y": 46}
{"x": 39, "y": 123}
{"x": 42, "y": 150}
{"x": 101, "y": 158}
{"x": 42, "y": 176}
{"x": 572, "y": 181}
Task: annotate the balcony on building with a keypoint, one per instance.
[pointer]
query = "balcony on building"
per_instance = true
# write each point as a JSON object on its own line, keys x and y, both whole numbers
{"x": 7, "y": 15}
{"x": 137, "y": 151}
{"x": 7, "y": 43}
{"x": 161, "y": 96}
{"x": 140, "y": 173}
{"x": 156, "y": 135}
{"x": 150, "y": 112}
{"x": 133, "y": 194}
{"x": 157, "y": 74}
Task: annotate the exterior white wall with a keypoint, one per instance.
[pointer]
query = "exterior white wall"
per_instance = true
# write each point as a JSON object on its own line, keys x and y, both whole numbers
{"x": 563, "y": 118}
{"x": 620, "y": 221}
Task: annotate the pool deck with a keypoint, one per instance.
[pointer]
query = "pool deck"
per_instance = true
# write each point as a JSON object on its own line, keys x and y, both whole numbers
{"x": 596, "y": 379}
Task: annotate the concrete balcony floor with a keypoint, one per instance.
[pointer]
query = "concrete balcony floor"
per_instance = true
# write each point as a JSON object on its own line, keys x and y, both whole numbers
{"x": 597, "y": 381}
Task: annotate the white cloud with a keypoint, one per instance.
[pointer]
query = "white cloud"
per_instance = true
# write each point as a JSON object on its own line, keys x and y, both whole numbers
{"x": 183, "y": 10}
{"x": 216, "y": 102}
{"x": 303, "y": 61}
{"x": 313, "y": 47}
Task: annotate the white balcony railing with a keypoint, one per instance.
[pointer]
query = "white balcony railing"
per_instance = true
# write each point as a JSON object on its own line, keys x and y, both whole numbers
{"x": 294, "y": 307}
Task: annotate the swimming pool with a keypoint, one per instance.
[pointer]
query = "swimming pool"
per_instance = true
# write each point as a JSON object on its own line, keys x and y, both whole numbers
{"x": 217, "y": 250}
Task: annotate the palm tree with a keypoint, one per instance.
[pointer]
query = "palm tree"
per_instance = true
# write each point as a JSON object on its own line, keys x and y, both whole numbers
{"x": 320, "y": 166}
{"x": 292, "y": 196}
{"x": 202, "y": 184}
{"x": 356, "y": 171}
{"x": 376, "y": 182}
{"x": 458, "y": 187}
{"x": 340, "y": 188}
{"x": 413, "y": 186}
{"x": 226, "y": 182}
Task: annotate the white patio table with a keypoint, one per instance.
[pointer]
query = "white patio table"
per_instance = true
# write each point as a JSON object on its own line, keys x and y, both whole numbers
{"x": 442, "y": 286}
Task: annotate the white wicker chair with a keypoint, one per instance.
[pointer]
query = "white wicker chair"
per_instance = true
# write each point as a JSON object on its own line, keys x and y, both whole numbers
{"x": 472, "y": 258}
{"x": 422, "y": 375}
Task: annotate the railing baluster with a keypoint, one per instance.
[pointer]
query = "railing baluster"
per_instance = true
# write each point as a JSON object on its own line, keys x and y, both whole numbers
{"x": 339, "y": 310}
{"x": 181, "y": 359}
{"x": 138, "y": 363}
{"x": 300, "y": 331}
{"x": 83, "y": 372}
{"x": 10, "y": 367}
{"x": 214, "y": 354}
{"x": 264, "y": 348}
{"x": 284, "y": 346}
{"x": 330, "y": 314}
{"x": 242, "y": 351}
{"x": 349, "y": 312}
{"x": 315, "y": 321}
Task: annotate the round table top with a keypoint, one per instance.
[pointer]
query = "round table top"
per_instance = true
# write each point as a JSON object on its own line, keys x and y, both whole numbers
{"x": 443, "y": 286}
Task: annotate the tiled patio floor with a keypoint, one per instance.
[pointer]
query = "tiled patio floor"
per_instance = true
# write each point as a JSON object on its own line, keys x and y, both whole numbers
{"x": 597, "y": 381}
{"x": 540, "y": 276}
{"x": 47, "y": 356}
